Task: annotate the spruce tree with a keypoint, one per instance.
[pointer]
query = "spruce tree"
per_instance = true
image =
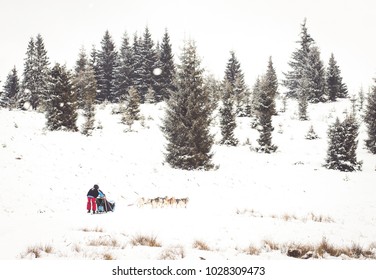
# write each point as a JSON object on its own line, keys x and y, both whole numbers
{"x": 124, "y": 70}
{"x": 132, "y": 108}
{"x": 148, "y": 64}
{"x": 11, "y": 89}
{"x": 85, "y": 89}
{"x": 299, "y": 63}
{"x": 265, "y": 112}
{"x": 316, "y": 77}
{"x": 227, "y": 116}
{"x": 29, "y": 86}
{"x": 42, "y": 72}
{"x": 61, "y": 110}
{"x": 303, "y": 92}
{"x": 235, "y": 76}
{"x": 272, "y": 85}
{"x": 333, "y": 82}
{"x": 335, "y": 85}
{"x": 106, "y": 65}
{"x": 136, "y": 62}
{"x": 188, "y": 116}
{"x": 370, "y": 120}
{"x": 168, "y": 69}
{"x": 341, "y": 153}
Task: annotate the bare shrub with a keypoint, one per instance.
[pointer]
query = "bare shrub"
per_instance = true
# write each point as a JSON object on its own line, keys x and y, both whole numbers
{"x": 108, "y": 257}
{"x": 201, "y": 245}
{"x": 143, "y": 240}
{"x": 270, "y": 245}
{"x": 96, "y": 229}
{"x": 252, "y": 250}
{"x": 37, "y": 251}
{"x": 173, "y": 253}
{"x": 104, "y": 241}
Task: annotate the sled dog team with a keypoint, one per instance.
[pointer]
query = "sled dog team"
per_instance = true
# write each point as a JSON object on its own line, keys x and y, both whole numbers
{"x": 163, "y": 202}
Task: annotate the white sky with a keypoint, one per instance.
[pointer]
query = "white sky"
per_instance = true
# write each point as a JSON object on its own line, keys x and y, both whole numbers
{"x": 254, "y": 29}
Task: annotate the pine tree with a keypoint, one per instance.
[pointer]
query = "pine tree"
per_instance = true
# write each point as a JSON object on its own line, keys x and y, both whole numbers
{"x": 28, "y": 86}
{"x": 106, "y": 65}
{"x": 36, "y": 75}
{"x": 150, "y": 96}
{"x": 341, "y": 153}
{"x": 299, "y": 63}
{"x": 168, "y": 69}
{"x": 61, "y": 110}
{"x": 42, "y": 71}
{"x": 11, "y": 89}
{"x": 333, "y": 82}
{"x": 272, "y": 85}
{"x": 235, "y": 76}
{"x": 227, "y": 116}
{"x": 148, "y": 64}
{"x": 85, "y": 89}
{"x": 370, "y": 120}
{"x": 132, "y": 109}
{"x": 188, "y": 117}
{"x": 124, "y": 70}
{"x": 316, "y": 77}
{"x": 136, "y": 62}
{"x": 336, "y": 88}
{"x": 265, "y": 112}
{"x": 303, "y": 91}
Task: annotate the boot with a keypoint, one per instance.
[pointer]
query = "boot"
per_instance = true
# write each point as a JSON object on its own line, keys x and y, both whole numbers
{"x": 88, "y": 211}
{"x": 93, "y": 212}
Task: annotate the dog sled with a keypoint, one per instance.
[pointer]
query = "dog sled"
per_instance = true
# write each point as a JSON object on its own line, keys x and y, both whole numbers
{"x": 104, "y": 205}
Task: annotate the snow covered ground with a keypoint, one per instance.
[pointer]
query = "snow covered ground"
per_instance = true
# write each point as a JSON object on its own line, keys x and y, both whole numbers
{"x": 254, "y": 206}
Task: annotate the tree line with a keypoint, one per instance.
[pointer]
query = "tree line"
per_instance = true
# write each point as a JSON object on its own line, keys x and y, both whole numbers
{"x": 142, "y": 71}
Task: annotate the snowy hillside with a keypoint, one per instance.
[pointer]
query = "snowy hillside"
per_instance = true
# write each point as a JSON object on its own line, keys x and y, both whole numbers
{"x": 253, "y": 206}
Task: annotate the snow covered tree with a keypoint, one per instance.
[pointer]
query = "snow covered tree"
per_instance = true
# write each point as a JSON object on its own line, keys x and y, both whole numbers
{"x": 61, "y": 110}
{"x": 136, "y": 62}
{"x": 227, "y": 116}
{"x": 311, "y": 134}
{"x": 370, "y": 120}
{"x": 303, "y": 91}
{"x": 35, "y": 75}
{"x": 298, "y": 63}
{"x": 148, "y": 64}
{"x": 336, "y": 88}
{"x": 272, "y": 85}
{"x": 168, "y": 69}
{"x": 85, "y": 89}
{"x": 124, "y": 70}
{"x": 11, "y": 89}
{"x": 150, "y": 96}
{"x": 265, "y": 112}
{"x": 316, "y": 77}
{"x": 106, "y": 65}
{"x": 333, "y": 79}
{"x": 188, "y": 116}
{"x": 341, "y": 153}
{"x": 235, "y": 76}
{"x": 132, "y": 109}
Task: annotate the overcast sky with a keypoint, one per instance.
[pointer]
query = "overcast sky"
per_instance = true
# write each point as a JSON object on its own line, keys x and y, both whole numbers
{"x": 254, "y": 29}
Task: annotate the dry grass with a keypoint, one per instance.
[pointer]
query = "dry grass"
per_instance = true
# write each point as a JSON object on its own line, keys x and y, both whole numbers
{"x": 201, "y": 245}
{"x": 142, "y": 240}
{"x": 173, "y": 253}
{"x": 108, "y": 257}
{"x": 104, "y": 241}
{"x": 37, "y": 251}
{"x": 96, "y": 229}
{"x": 270, "y": 245}
{"x": 252, "y": 250}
